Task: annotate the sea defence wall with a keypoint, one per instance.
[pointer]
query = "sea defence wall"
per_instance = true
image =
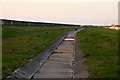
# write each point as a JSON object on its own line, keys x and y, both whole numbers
{"x": 6, "y": 22}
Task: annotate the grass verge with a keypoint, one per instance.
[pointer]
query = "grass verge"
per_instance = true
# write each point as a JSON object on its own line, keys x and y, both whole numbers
{"x": 21, "y": 43}
{"x": 100, "y": 52}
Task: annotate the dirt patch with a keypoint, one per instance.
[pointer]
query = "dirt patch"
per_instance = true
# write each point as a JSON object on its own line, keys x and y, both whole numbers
{"x": 79, "y": 68}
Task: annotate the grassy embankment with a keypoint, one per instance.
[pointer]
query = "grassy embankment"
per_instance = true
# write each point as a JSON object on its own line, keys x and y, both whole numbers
{"x": 100, "y": 52}
{"x": 22, "y": 43}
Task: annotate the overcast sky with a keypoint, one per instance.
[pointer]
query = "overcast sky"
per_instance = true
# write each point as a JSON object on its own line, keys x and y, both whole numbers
{"x": 65, "y": 11}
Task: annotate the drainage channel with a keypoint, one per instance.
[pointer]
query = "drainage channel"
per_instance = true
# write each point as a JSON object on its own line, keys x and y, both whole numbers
{"x": 62, "y": 59}
{"x": 60, "y": 63}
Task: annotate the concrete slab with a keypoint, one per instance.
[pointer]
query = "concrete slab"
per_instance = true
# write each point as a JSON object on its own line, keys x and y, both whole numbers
{"x": 59, "y": 64}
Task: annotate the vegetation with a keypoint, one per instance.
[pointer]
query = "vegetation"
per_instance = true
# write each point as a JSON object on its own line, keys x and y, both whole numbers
{"x": 21, "y": 43}
{"x": 100, "y": 52}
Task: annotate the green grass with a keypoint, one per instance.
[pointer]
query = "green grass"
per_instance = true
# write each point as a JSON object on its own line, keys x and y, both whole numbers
{"x": 23, "y": 43}
{"x": 100, "y": 52}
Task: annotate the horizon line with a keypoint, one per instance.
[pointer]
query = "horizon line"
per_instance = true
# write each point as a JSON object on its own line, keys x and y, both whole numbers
{"x": 54, "y": 22}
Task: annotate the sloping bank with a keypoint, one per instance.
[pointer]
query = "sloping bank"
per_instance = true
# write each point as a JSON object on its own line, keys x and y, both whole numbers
{"x": 21, "y": 44}
{"x": 100, "y": 52}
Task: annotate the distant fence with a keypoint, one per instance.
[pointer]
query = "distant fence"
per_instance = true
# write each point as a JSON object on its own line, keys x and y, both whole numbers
{"x": 6, "y": 22}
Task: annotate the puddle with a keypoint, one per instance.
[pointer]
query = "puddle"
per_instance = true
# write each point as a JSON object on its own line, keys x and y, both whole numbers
{"x": 68, "y": 39}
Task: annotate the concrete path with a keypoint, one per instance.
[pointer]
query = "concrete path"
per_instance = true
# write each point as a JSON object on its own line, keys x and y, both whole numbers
{"x": 59, "y": 64}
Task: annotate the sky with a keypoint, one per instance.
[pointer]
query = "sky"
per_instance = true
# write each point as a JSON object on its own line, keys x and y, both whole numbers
{"x": 100, "y": 12}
